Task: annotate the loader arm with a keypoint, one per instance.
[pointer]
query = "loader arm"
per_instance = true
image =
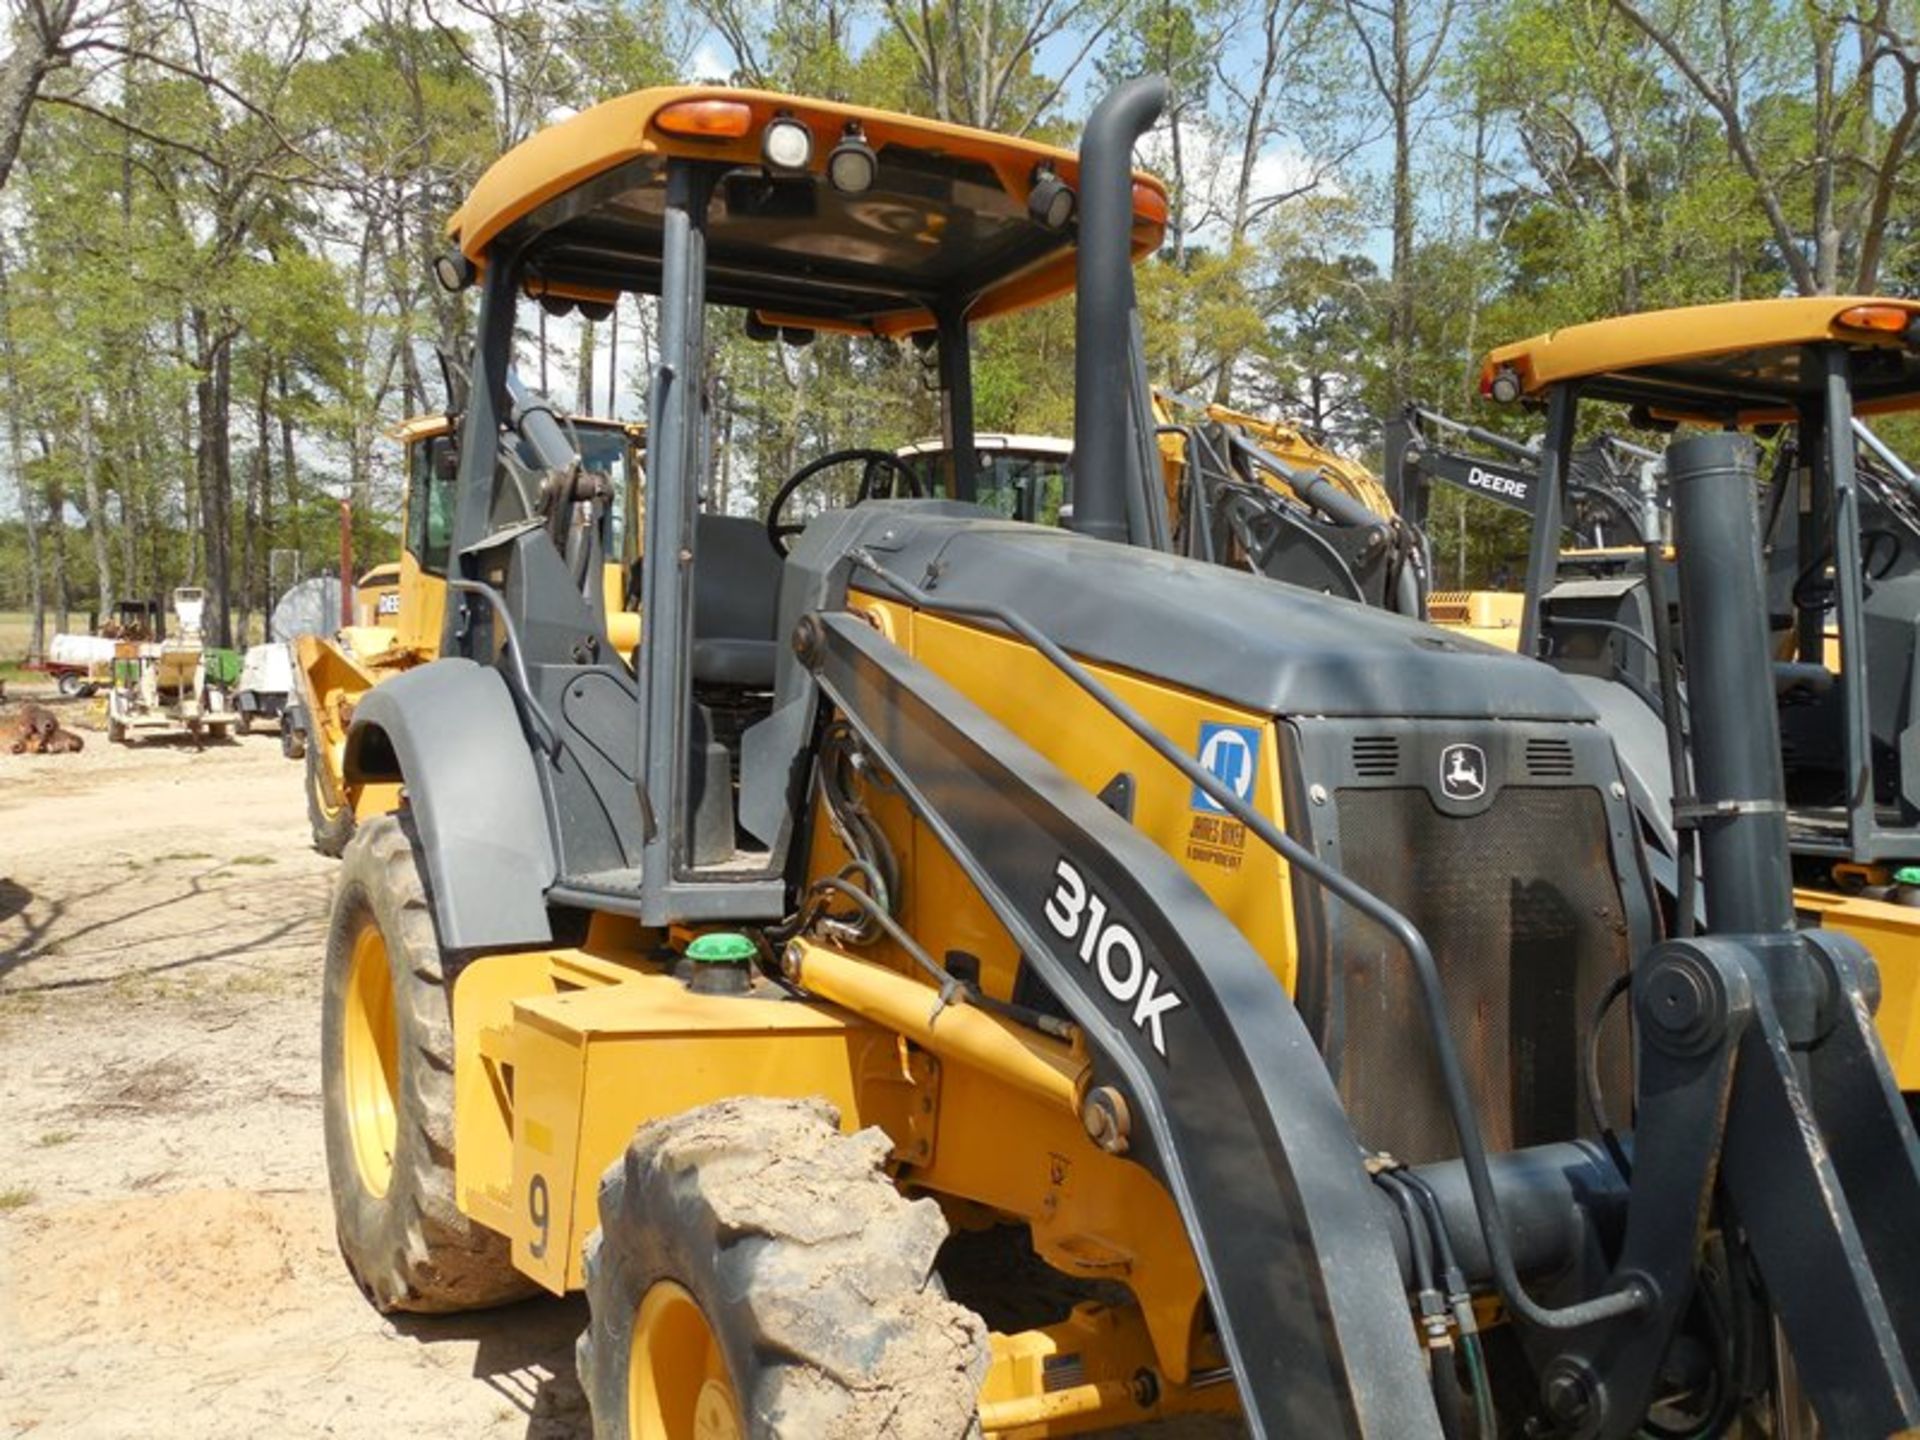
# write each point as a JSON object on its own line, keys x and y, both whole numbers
{"x": 1235, "y": 1111}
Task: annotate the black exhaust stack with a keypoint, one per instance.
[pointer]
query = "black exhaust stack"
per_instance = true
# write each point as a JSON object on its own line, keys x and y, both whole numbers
{"x": 1112, "y": 409}
{"x": 1740, "y": 807}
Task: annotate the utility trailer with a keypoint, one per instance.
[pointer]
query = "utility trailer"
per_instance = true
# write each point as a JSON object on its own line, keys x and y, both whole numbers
{"x": 175, "y": 686}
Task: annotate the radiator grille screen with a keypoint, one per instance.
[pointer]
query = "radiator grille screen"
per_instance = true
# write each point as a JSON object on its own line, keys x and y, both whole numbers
{"x": 1522, "y": 908}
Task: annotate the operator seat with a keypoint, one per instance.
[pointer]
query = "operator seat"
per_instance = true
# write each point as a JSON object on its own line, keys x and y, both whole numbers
{"x": 736, "y": 591}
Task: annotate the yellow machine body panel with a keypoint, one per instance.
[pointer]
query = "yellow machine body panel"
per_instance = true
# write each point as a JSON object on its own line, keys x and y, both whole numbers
{"x": 562, "y": 1054}
{"x": 1489, "y": 616}
{"x": 420, "y": 607}
{"x": 376, "y": 598}
{"x": 1891, "y": 934}
{"x": 1019, "y": 687}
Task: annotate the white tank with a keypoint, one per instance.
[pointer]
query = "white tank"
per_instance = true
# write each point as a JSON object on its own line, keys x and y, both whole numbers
{"x": 310, "y": 608}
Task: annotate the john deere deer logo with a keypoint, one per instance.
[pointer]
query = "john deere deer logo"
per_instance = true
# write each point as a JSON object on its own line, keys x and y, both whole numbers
{"x": 1463, "y": 772}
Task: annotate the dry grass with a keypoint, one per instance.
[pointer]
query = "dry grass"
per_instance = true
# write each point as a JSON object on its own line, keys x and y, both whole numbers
{"x": 15, "y": 625}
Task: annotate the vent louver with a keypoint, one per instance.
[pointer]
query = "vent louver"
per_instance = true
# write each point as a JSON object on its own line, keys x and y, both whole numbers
{"x": 1376, "y": 757}
{"x": 1550, "y": 759}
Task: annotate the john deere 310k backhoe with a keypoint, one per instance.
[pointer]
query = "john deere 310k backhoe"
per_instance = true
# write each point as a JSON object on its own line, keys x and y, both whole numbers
{"x": 962, "y": 974}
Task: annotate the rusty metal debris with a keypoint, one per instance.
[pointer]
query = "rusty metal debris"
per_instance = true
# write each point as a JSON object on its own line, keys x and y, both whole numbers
{"x": 36, "y": 730}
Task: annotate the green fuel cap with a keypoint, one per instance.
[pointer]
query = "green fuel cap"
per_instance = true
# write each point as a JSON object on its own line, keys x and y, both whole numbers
{"x": 724, "y": 947}
{"x": 1907, "y": 875}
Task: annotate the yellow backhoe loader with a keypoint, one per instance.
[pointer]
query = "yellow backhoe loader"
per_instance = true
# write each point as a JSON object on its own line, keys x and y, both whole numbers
{"x": 399, "y": 607}
{"x": 959, "y": 975}
{"x": 1839, "y": 521}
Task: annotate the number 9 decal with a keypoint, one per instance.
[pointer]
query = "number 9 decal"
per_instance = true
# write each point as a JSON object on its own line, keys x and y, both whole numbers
{"x": 539, "y": 1214}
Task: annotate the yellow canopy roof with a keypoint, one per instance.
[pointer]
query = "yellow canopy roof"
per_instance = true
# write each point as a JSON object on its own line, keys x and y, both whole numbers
{"x": 946, "y": 218}
{"x": 1743, "y": 362}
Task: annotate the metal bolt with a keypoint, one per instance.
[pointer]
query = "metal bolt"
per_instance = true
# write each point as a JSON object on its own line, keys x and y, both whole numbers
{"x": 1108, "y": 1121}
{"x": 1570, "y": 1395}
{"x": 808, "y": 641}
{"x": 1617, "y": 790}
{"x": 1318, "y": 794}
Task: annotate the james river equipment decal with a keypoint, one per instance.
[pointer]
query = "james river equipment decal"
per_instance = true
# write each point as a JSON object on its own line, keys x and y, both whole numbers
{"x": 1231, "y": 754}
{"x": 1111, "y": 951}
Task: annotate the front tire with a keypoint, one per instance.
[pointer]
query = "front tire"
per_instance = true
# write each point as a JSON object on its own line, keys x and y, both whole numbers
{"x": 293, "y": 740}
{"x": 756, "y": 1273}
{"x": 332, "y": 827}
{"x": 387, "y": 1055}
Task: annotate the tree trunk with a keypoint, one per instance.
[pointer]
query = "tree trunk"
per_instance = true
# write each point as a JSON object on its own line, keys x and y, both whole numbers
{"x": 583, "y": 386}
{"x": 262, "y": 577}
{"x": 57, "y": 542}
{"x": 35, "y": 54}
{"x": 1401, "y": 320}
{"x": 214, "y": 472}
{"x": 289, "y": 472}
{"x": 96, "y": 513}
{"x": 17, "y": 459}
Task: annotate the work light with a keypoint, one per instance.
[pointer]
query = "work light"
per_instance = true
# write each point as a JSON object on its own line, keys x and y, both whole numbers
{"x": 852, "y": 166}
{"x": 786, "y": 144}
{"x": 1051, "y": 200}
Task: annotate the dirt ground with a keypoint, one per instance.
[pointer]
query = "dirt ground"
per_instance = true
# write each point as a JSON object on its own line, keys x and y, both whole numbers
{"x": 167, "y": 1263}
{"x": 167, "y": 1266}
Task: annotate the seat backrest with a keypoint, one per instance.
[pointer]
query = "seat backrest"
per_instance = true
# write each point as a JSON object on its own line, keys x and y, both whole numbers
{"x": 736, "y": 580}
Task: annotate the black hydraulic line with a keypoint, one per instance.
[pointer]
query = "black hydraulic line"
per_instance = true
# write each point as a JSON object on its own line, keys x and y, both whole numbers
{"x": 534, "y": 419}
{"x": 1633, "y": 1297}
{"x": 1459, "y": 1300}
{"x": 1673, "y": 721}
{"x": 1197, "y": 514}
{"x": 1258, "y": 498}
{"x": 523, "y": 685}
{"x": 1505, "y": 444}
{"x": 1312, "y": 488}
{"x": 1432, "y": 1305}
{"x": 1594, "y": 622}
{"x": 1453, "y": 1278}
{"x": 953, "y": 990}
{"x": 1419, "y": 1238}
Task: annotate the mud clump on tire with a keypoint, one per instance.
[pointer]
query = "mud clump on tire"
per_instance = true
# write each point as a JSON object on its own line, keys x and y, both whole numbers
{"x": 814, "y": 1272}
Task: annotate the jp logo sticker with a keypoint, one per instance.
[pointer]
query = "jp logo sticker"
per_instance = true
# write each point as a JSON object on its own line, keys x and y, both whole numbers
{"x": 1231, "y": 754}
{"x": 1463, "y": 772}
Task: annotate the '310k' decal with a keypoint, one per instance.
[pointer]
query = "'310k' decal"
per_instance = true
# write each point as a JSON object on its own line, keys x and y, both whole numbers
{"x": 1112, "y": 951}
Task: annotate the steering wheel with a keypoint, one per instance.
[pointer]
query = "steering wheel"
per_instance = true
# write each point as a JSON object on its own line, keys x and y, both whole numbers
{"x": 781, "y": 533}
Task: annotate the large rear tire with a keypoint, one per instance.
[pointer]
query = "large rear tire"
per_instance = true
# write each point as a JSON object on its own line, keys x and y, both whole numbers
{"x": 332, "y": 827}
{"x": 387, "y": 1090}
{"x": 756, "y": 1273}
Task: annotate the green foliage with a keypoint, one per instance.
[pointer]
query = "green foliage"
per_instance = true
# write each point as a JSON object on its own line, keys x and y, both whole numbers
{"x": 217, "y": 291}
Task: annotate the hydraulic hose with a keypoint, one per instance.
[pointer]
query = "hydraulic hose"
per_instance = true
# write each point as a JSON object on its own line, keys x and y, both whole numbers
{"x": 1632, "y": 1297}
